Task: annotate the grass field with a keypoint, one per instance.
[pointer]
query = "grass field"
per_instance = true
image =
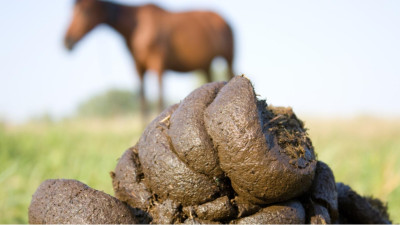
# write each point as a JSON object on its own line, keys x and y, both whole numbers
{"x": 363, "y": 152}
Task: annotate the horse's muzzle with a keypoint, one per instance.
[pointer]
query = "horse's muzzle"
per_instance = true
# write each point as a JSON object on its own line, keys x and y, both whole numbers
{"x": 69, "y": 43}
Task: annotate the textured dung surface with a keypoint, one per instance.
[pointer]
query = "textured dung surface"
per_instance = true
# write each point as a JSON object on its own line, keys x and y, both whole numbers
{"x": 129, "y": 186}
{"x": 219, "y": 209}
{"x": 354, "y": 208}
{"x": 317, "y": 214}
{"x": 321, "y": 215}
{"x": 188, "y": 134}
{"x": 291, "y": 212}
{"x": 323, "y": 189}
{"x": 165, "y": 213}
{"x": 319, "y": 219}
{"x": 199, "y": 221}
{"x": 380, "y": 206}
{"x": 245, "y": 207}
{"x": 70, "y": 201}
{"x": 282, "y": 127}
{"x": 260, "y": 172}
{"x": 166, "y": 174}
{"x": 127, "y": 181}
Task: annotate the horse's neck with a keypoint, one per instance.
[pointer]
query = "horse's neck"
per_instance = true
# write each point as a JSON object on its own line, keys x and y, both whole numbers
{"x": 121, "y": 18}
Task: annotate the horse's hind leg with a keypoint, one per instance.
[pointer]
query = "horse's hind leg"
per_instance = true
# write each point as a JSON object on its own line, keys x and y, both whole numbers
{"x": 208, "y": 74}
{"x": 230, "y": 68}
{"x": 143, "y": 103}
{"x": 160, "y": 72}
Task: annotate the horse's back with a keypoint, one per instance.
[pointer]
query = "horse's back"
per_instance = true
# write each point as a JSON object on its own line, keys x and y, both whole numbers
{"x": 196, "y": 37}
{"x": 184, "y": 41}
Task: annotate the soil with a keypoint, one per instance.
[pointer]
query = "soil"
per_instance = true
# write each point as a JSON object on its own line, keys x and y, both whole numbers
{"x": 224, "y": 156}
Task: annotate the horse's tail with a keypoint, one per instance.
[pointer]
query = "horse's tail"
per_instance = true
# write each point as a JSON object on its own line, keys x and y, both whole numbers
{"x": 228, "y": 53}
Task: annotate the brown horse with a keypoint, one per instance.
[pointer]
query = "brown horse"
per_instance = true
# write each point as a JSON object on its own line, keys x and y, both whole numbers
{"x": 158, "y": 40}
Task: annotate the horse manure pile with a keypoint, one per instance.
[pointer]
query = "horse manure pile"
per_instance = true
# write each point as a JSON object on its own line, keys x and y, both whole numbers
{"x": 219, "y": 156}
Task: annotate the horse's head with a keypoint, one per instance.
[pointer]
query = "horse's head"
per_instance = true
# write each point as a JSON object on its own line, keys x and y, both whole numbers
{"x": 86, "y": 15}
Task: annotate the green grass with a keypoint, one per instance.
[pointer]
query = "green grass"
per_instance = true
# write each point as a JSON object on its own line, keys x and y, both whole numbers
{"x": 84, "y": 150}
{"x": 363, "y": 153}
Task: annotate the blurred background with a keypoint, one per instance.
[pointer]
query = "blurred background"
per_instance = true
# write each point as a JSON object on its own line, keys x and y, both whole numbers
{"x": 72, "y": 114}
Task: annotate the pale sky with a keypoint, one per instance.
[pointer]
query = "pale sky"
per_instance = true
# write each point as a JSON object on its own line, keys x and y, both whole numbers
{"x": 324, "y": 58}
